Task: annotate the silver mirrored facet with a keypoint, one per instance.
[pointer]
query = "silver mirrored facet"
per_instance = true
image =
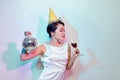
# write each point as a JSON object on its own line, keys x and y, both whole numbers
{"x": 29, "y": 43}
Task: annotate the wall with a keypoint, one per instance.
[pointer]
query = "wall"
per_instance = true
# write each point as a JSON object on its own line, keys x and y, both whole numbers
{"x": 93, "y": 24}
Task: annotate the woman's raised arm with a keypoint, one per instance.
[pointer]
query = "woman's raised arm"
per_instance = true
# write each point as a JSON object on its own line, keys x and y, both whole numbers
{"x": 37, "y": 51}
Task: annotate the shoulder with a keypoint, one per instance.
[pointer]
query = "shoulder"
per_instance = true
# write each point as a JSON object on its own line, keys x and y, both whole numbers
{"x": 42, "y": 47}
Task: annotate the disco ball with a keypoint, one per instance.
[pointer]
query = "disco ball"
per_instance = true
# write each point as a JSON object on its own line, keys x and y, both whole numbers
{"x": 29, "y": 43}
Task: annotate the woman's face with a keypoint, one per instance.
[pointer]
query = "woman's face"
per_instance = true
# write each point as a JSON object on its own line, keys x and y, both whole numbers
{"x": 59, "y": 33}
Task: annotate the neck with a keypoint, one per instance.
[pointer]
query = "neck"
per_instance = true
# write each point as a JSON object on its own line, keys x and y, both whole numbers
{"x": 56, "y": 42}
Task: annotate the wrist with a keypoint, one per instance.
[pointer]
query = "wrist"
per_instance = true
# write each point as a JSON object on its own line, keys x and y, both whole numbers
{"x": 74, "y": 56}
{"x": 24, "y": 51}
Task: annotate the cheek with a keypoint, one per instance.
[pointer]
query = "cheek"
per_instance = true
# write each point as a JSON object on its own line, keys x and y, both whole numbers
{"x": 58, "y": 36}
{"x": 57, "y": 33}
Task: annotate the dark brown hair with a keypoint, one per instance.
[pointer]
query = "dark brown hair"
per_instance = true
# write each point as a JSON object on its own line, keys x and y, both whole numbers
{"x": 53, "y": 26}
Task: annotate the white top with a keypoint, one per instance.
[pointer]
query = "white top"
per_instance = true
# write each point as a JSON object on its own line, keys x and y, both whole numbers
{"x": 54, "y": 62}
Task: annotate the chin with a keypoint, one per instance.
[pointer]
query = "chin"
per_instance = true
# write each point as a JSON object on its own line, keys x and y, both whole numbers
{"x": 63, "y": 40}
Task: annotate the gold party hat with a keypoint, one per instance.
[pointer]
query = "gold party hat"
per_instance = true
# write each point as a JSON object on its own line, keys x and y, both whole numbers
{"x": 52, "y": 16}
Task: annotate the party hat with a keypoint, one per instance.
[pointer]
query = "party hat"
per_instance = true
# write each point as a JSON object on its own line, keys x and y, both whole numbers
{"x": 52, "y": 16}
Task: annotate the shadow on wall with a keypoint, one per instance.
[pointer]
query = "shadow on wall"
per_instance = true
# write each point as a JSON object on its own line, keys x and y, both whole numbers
{"x": 41, "y": 36}
{"x": 77, "y": 68}
{"x": 36, "y": 68}
{"x": 11, "y": 57}
{"x": 41, "y": 32}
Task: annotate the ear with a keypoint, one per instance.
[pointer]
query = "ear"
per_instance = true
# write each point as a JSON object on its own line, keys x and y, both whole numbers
{"x": 52, "y": 33}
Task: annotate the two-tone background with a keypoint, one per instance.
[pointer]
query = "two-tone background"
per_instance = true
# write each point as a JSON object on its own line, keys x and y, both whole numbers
{"x": 93, "y": 24}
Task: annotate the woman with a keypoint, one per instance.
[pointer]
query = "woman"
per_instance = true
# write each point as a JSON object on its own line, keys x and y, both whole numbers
{"x": 55, "y": 55}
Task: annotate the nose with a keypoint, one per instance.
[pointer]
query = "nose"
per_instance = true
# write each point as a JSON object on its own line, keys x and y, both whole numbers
{"x": 63, "y": 33}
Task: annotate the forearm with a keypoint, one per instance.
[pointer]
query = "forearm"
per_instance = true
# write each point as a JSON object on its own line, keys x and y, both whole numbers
{"x": 25, "y": 55}
{"x": 71, "y": 61}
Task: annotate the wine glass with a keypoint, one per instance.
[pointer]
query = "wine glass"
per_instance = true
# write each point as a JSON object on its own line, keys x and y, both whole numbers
{"x": 74, "y": 44}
